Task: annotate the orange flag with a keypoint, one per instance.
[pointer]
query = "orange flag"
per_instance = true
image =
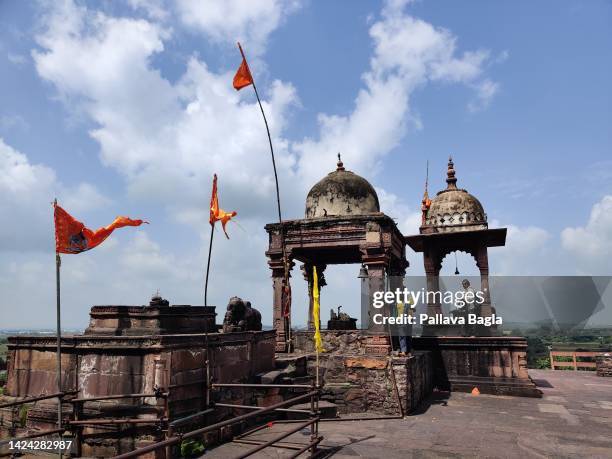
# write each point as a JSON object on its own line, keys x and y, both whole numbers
{"x": 71, "y": 236}
{"x": 243, "y": 77}
{"x": 217, "y": 214}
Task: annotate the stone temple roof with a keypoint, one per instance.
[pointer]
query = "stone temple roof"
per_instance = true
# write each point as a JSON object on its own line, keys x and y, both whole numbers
{"x": 454, "y": 209}
{"x": 341, "y": 193}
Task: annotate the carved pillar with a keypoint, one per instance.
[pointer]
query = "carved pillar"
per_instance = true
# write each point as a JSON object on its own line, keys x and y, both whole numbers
{"x": 397, "y": 272}
{"x": 432, "y": 272}
{"x": 281, "y": 324}
{"x": 307, "y": 273}
{"x": 482, "y": 261}
{"x": 377, "y": 263}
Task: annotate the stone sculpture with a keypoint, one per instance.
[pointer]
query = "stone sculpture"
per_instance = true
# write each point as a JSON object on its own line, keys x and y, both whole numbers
{"x": 240, "y": 316}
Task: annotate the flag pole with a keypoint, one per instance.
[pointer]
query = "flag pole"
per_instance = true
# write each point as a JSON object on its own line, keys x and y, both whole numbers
{"x": 208, "y": 381}
{"x": 280, "y": 218}
{"x": 58, "y": 263}
{"x": 212, "y": 233}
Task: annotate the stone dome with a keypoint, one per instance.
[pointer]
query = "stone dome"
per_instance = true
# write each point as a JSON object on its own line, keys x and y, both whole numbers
{"x": 341, "y": 193}
{"x": 454, "y": 209}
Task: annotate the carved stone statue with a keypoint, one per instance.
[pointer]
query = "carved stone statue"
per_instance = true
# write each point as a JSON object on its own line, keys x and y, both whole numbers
{"x": 240, "y": 316}
{"x": 340, "y": 320}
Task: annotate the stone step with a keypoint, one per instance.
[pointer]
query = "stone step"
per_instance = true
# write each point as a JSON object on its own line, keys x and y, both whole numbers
{"x": 291, "y": 365}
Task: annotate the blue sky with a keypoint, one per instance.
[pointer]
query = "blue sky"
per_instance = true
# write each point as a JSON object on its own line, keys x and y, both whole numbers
{"x": 127, "y": 108}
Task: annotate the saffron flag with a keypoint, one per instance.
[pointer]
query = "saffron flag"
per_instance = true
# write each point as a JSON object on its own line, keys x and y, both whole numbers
{"x": 316, "y": 311}
{"x": 71, "y": 236}
{"x": 243, "y": 77}
{"x": 217, "y": 214}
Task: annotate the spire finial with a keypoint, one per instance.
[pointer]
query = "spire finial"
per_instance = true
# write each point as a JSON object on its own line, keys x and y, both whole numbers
{"x": 451, "y": 180}
{"x": 340, "y": 164}
{"x": 426, "y": 202}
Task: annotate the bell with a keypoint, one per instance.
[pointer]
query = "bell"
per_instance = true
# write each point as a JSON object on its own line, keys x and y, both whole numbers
{"x": 363, "y": 272}
{"x": 456, "y": 270}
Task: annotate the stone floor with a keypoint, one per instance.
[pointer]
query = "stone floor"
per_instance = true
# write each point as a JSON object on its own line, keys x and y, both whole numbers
{"x": 572, "y": 420}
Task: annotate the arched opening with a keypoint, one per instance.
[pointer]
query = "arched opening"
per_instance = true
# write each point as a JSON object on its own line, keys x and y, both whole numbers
{"x": 342, "y": 288}
{"x": 457, "y": 267}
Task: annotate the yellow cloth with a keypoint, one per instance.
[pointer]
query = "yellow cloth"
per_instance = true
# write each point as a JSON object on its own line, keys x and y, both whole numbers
{"x": 316, "y": 311}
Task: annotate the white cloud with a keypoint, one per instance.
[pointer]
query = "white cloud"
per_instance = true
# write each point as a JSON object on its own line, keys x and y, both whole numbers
{"x": 155, "y": 9}
{"x": 8, "y": 122}
{"x": 167, "y": 138}
{"x": 27, "y": 191}
{"x": 591, "y": 245}
{"x": 502, "y": 57}
{"x": 17, "y": 59}
{"x": 527, "y": 252}
{"x": 408, "y": 53}
{"x": 229, "y": 21}
{"x": 485, "y": 91}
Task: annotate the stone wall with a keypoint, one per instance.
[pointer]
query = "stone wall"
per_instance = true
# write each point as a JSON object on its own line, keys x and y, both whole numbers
{"x": 604, "y": 365}
{"x": 359, "y": 375}
{"x": 362, "y": 383}
{"x": 110, "y": 365}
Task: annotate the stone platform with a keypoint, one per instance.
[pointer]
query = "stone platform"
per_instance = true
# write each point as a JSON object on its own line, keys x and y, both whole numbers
{"x": 151, "y": 320}
{"x": 571, "y": 420}
{"x": 495, "y": 365}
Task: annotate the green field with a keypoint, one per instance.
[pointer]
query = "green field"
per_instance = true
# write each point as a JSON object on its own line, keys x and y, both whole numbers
{"x": 3, "y": 347}
{"x": 540, "y": 341}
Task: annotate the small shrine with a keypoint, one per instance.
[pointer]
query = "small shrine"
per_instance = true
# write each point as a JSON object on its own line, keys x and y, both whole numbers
{"x": 343, "y": 224}
{"x": 455, "y": 220}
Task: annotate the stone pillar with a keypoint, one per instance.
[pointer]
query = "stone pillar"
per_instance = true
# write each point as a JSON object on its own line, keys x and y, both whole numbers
{"x": 307, "y": 273}
{"x": 432, "y": 273}
{"x": 397, "y": 271}
{"x": 482, "y": 261}
{"x": 281, "y": 324}
{"x": 377, "y": 264}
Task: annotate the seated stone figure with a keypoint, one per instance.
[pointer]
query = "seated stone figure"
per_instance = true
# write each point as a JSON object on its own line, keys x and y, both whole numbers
{"x": 240, "y": 316}
{"x": 253, "y": 317}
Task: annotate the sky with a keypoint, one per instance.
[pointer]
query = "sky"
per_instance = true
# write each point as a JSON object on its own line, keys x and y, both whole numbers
{"x": 127, "y": 108}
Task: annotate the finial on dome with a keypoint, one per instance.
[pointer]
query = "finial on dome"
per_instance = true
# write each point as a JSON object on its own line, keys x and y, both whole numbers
{"x": 450, "y": 175}
{"x": 426, "y": 202}
{"x": 340, "y": 164}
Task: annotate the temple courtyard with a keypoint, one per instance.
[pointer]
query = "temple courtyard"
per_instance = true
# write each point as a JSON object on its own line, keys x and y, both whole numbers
{"x": 572, "y": 419}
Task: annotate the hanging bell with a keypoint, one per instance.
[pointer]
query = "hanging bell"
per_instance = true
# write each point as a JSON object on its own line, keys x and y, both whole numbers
{"x": 363, "y": 272}
{"x": 456, "y": 270}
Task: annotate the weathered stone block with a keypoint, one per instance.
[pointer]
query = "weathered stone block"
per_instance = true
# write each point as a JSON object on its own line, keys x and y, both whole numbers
{"x": 365, "y": 362}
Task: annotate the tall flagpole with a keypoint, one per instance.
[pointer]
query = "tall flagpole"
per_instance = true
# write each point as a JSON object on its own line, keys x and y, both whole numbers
{"x": 280, "y": 218}
{"x": 58, "y": 263}
{"x": 207, "y": 363}
{"x": 212, "y": 233}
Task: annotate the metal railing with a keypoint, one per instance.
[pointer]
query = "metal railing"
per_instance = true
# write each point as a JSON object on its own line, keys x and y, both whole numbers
{"x": 77, "y": 422}
{"x": 176, "y": 439}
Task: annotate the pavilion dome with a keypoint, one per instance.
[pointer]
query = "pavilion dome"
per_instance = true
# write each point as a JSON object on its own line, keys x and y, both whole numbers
{"x": 341, "y": 193}
{"x": 454, "y": 209}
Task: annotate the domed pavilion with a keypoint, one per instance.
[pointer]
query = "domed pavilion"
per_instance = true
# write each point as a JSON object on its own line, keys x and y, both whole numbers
{"x": 455, "y": 220}
{"x": 343, "y": 224}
